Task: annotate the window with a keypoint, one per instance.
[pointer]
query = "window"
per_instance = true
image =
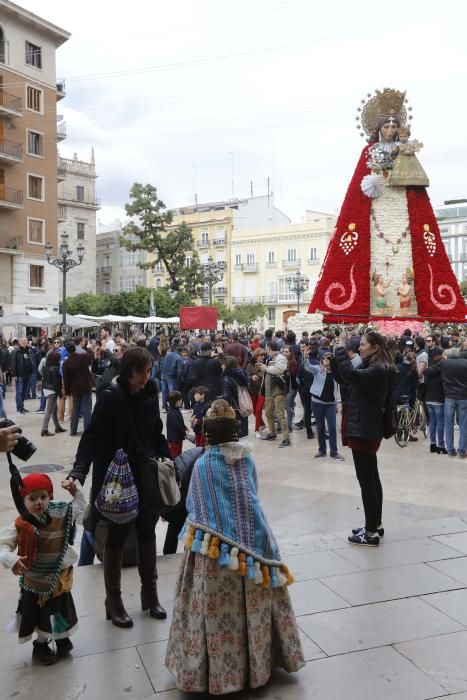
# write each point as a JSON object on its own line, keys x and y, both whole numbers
{"x": 34, "y": 99}
{"x": 220, "y": 257}
{"x": 36, "y": 231}
{"x": 35, "y": 143}
{"x": 80, "y": 231}
{"x": 271, "y": 256}
{"x": 250, "y": 259}
{"x": 158, "y": 283}
{"x": 313, "y": 254}
{"x": 158, "y": 266}
{"x": 35, "y": 187}
{"x": 2, "y": 46}
{"x": 291, "y": 254}
{"x": 36, "y": 276}
{"x": 238, "y": 259}
{"x": 188, "y": 262}
{"x": 79, "y": 193}
{"x": 271, "y": 314}
{"x": 33, "y": 55}
{"x": 204, "y": 237}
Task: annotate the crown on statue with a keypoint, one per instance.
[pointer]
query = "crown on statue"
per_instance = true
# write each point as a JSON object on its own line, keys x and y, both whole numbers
{"x": 387, "y": 103}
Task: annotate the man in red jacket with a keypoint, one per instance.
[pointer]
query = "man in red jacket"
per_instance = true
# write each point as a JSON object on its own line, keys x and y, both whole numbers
{"x": 236, "y": 349}
{"x": 78, "y": 382}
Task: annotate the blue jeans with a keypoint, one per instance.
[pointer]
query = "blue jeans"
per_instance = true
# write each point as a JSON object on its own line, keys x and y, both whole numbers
{"x": 87, "y": 549}
{"x": 82, "y": 406}
{"x": 22, "y": 386}
{"x": 2, "y": 407}
{"x": 290, "y": 406}
{"x": 43, "y": 402}
{"x": 436, "y": 424}
{"x": 168, "y": 384}
{"x": 321, "y": 413}
{"x": 32, "y": 385}
{"x": 450, "y": 408}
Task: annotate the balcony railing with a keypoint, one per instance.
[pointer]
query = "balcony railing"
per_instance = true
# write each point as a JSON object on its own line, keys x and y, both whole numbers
{"x": 271, "y": 265}
{"x": 291, "y": 264}
{"x": 204, "y": 244}
{"x": 254, "y": 300}
{"x": 11, "y": 242}
{"x": 220, "y": 290}
{"x": 61, "y": 170}
{"x": 250, "y": 267}
{"x": 84, "y": 200}
{"x": 61, "y": 131}
{"x": 106, "y": 269}
{"x": 10, "y": 198}
{"x": 219, "y": 242}
{"x": 11, "y": 104}
{"x": 313, "y": 261}
{"x": 11, "y": 151}
{"x": 60, "y": 90}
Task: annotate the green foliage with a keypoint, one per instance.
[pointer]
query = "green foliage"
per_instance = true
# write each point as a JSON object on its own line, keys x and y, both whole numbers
{"x": 134, "y": 303}
{"x": 225, "y": 314}
{"x": 85, "y": 303}
{"x": 247, "y": 314}
{"x": 148, "y": 231}
{"x": 463, "y": 286}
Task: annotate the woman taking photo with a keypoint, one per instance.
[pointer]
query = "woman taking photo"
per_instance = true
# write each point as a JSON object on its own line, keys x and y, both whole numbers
{"x": 126, "y": 417}
{"x": 363, "y": 424}
{"x": 324, "y": 399}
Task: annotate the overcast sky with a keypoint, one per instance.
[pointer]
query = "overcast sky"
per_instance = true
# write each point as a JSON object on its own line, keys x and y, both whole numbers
{"x": 175, "y": 93}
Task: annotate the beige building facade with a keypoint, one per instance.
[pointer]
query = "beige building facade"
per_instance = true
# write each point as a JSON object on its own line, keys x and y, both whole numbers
{"x": 29, "y": 133}
{"x": 262, "y": 258}
{"x": 117, "y": 268}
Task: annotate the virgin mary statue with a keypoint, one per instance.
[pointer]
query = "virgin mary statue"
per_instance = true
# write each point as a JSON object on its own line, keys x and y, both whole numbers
{"x": 386, "y": 258}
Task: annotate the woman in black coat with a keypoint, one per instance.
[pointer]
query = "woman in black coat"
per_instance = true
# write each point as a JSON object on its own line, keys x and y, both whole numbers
{"x": 233, "y": 377}
{"x": 207, "y": 371}
{"x": 126, "y": 416}
{"x": 363, "y": 421}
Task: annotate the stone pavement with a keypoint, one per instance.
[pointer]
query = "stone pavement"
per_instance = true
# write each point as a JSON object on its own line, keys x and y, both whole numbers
{"x": 387, "y": 623}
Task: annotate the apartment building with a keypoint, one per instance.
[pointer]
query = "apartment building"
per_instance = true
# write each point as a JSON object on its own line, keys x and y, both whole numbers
{"x": 77, "y": 210}
{"x": 262, "y": 258}
{"x": 117, "y": 268}
{"x": 452, "y": 222}
{"x": 29, "y": 132}
{"x": 213, "y": 226}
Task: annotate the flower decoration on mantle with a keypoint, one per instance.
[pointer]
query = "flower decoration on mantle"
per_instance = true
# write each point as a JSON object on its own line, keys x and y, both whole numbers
{"x": 349, "y": 239}
{"x": 430, "y": 240}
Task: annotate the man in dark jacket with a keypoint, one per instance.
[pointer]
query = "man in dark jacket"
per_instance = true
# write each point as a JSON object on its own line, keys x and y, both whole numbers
{"x": 22, "y": 366}
{"x": 305, "y": 380}
{"x": 207, "y": 370}
{"x": 171, "y": 374}
{"x": 237, "y": 350}
{"x": 454, "y": 378}
{"x": 77, "y": 380}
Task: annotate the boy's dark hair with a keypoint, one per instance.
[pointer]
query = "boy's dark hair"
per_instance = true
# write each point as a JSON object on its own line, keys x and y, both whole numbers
{"x": 273, "y": 345}
{"x": 106, "y": 328}
{"x": 135, "y": 358}
{"x": 173, "y": 397}
{"x": 268, "y": 333}
{"x": 201, "y": 390}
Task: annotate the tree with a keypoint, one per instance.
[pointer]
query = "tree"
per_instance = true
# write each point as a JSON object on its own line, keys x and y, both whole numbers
{"x": 246, "y": 315}
{"x": 134, "y": 303}
{"x": 148, "y": 230}
{"x": 464, "y": 288}
{"x": 87, "y": 304}
{"x": 225, "y": 314}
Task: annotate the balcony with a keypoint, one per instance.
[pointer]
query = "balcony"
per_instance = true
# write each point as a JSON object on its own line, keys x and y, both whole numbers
{"x": 86, "y": 200}
{"x": 291, "y": 264}
{"x": 271, "y": 265}
{"x": 61, "y": 213}
{"x": 106, "y": 269}
{"x": 220, "y": 242}
{"x": 10, "y": 151}
{"x": 61, "y": 131}
{"x": 220, "y": 290}
{"x": 61, "y": 90}
{"x": 61, "y": 170}
{"x": 11, "y": 198}
{"x": 314, "y": 261}
{"x": 254, "y": 300}
{"x": 11, "y": 243}
{"x": 10, "y": 105}
{"x": 250, "y": 267}
{"x": 204, "y": 244}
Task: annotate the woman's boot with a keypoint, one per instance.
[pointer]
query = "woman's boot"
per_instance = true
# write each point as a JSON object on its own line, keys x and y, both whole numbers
{"x": 148, "y": 575}
{"x": 114, "y": 607}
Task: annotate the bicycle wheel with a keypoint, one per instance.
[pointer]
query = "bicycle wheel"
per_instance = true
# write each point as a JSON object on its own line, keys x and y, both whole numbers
{"x": 422, "y": 425}
{"x": 402, "y": 434}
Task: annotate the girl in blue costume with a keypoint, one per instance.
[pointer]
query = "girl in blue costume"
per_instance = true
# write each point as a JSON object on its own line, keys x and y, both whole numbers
{"x": 233, "y": 620}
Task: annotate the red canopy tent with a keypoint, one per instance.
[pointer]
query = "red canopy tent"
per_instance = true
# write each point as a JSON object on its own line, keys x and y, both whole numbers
{"x": 198, "y": 317}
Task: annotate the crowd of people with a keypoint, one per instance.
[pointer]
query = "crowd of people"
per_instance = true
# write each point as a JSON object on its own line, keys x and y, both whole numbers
{"x": 212, "y": 388}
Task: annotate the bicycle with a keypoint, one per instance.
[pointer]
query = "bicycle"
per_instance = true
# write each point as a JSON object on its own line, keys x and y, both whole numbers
{"x": 409, "y": 420}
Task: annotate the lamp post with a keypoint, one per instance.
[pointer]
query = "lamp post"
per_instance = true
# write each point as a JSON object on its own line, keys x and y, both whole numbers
{"x": 65, "y": 263}
{"x": 213, "y": 273}
{"x": 298, "y": 284}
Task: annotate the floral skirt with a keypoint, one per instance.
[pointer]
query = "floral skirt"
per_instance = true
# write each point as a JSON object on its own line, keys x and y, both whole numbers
{"x": 228, "y": 633}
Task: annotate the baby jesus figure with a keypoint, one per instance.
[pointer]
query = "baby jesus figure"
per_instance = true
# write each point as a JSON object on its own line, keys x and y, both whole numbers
{"x": 407, "y": 170}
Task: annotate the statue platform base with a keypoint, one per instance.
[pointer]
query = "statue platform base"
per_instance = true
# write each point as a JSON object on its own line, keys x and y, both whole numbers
{"x": 305, "y": 322}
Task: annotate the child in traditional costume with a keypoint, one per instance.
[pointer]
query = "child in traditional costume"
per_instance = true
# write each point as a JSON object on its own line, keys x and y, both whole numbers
{"x": 233, "y": 620}
{"x": 42, "y": 535}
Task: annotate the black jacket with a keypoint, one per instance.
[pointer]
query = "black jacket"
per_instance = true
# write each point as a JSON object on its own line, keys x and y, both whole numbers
{"x": 207, "y": 371}
{"x": 176, "y": 428}
{"x": 367, "y": 396}
{"x": 18, "y": 364}
{"x": 434, "y": 383}
{"x": 110, "y": 430}
{"x": 406, "y": 382}
{"x": 51, "y": 379}
{"x": 454, "y": 376}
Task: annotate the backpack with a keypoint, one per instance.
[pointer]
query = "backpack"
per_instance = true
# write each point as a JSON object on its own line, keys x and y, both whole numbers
{"x": 245, "y": 405}
{"x": 118, "y": 498}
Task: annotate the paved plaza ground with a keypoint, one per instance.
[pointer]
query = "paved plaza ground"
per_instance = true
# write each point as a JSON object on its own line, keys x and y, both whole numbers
{"x": 386, "y": 624}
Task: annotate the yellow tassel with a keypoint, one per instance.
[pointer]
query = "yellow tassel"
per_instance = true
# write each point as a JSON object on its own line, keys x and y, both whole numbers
{"x": 266, "y": 577}
{"x": 287, "y": 573}
{"x": 213, "y": 551}
{"x": 190, "y": 537}
{"x": 242, "y": 564}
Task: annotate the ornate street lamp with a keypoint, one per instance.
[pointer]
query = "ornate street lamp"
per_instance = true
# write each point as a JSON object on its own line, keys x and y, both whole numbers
{"x": 65, "y": 263}
{"x": 298, "y": 284}
{"x": 213, "y": 273}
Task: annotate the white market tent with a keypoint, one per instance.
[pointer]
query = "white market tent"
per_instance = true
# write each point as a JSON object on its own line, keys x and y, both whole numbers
{"x": 33, "y": 321}
{"x": 111, "y": 318}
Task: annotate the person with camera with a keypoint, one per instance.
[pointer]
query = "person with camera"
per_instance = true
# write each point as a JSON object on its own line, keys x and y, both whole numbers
{"x": 9, "y": 436}
{"x": 276, "y": 386}
{"x": 126, "y": 416}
